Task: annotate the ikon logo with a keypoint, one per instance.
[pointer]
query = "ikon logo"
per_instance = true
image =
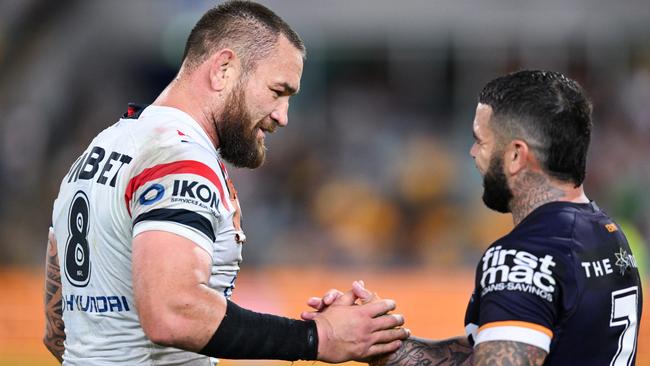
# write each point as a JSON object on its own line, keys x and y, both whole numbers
{"x": 192, "y": 189}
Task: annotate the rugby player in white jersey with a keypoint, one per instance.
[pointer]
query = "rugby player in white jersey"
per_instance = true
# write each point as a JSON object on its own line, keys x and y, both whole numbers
{"x": 146, "y": 239}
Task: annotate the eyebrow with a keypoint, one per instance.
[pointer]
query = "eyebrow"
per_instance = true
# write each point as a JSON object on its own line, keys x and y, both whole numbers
{"x": 288, "y": 89}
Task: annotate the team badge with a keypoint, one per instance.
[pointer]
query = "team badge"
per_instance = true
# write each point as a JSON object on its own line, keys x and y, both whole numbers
{"x": 624, "y": 261}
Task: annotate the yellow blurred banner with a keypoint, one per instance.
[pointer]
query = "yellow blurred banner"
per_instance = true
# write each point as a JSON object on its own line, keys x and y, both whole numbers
{"x": 433, "y": 303}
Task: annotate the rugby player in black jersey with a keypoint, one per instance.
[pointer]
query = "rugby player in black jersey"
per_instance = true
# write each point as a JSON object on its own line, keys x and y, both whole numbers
{"x": 562, "y": 288}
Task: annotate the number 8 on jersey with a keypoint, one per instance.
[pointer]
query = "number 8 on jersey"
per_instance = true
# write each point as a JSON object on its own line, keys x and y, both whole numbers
{"x": 77, "y": 256}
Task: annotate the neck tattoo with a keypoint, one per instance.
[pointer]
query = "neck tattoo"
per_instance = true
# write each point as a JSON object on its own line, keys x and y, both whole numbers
{"x": 530, "y": 191}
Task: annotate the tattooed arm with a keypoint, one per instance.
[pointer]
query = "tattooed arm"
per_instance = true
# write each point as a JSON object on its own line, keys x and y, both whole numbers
{"x": 458, "y": 352}
{"x": 508, "y": 353}
{"x": 425, "y": 352}
{"x": 54, "y": 327}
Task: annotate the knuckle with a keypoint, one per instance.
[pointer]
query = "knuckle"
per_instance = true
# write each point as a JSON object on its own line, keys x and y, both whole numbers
{"x": 359, "y": 350}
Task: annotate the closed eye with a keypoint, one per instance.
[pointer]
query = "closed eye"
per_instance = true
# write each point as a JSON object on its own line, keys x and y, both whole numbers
{"x": 476, "y": 139}
{"x": 277, "y": 93}
{"x": 283, "y": 89}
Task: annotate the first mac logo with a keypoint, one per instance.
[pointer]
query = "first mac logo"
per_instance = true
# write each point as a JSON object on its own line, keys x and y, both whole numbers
{"x": 518, "y": 270}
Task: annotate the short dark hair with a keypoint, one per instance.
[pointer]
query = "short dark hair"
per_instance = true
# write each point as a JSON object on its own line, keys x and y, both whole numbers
{"x": 547, "y": 110}
{"x": 250, "y": 29}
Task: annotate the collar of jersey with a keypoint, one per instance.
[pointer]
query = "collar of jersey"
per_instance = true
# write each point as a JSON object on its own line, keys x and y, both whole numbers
{"x": 560, "y": 205}
{"x": 197, "y": 133}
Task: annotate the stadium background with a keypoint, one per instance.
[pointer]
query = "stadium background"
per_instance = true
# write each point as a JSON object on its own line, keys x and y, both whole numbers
{"x": 372, "y": 178}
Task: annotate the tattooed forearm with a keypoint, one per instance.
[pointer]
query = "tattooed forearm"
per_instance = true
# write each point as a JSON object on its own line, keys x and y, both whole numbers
{"x": 458, "y": 351}
{"x": 421, "y": 352}
{"x": 54, "y": 327}
{"x": 502, "y": 353}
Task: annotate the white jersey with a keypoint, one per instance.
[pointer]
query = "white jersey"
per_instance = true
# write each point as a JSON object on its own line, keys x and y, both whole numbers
{"x": 157, "y": 172}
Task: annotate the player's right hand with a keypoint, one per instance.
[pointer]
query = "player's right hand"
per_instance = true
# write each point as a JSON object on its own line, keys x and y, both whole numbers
{"x": 347, "y": 331}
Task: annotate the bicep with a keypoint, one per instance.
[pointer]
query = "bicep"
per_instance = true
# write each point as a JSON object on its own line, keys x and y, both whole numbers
{"x": 165, "y": 264}
{"x": 170, "y": 284}
{"x": 508, "y": 353}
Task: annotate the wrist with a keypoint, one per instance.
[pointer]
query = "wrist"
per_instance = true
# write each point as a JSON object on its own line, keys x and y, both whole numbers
{"x": 323, "y": 329}
{"x": 245, "y": 334}
{"x": 313, "y": 340}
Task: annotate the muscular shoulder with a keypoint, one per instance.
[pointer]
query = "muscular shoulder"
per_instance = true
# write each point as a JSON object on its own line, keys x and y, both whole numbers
{"x": 163, "y": 139}
{"x": 545, "y": 234}
{"x": 556, "y": 222}
{"x": 176, "y": 165}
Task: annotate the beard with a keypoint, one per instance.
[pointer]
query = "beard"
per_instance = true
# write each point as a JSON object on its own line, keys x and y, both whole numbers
{"x": 238, "y": 142}
{"x": 496, "y": 193}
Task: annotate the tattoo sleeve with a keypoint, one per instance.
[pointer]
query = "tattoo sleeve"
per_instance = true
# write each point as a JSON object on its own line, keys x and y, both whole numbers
{"x": 422, "y": 352}
{"x": 508, "y": 353}
{"x": 457, "y": 351}
{"x": 54, "y": 327}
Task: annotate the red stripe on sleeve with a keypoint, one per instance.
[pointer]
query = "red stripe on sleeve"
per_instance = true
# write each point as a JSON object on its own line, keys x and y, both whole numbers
{"x": 177, "y": 167}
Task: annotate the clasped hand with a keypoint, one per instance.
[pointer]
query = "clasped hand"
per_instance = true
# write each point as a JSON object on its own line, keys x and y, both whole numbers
{"x": 355, "y": 325}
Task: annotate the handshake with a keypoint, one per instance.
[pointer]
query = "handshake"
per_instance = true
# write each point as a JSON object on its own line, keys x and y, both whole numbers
{"x": 355, "y": 325}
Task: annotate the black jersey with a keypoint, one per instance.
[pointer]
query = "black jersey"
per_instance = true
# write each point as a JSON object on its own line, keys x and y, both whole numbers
{"x": 563, "y": 280}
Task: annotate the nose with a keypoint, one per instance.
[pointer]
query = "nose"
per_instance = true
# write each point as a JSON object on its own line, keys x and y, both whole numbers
{"x": 472, "y": 150}
{"x": 281, "y": 114}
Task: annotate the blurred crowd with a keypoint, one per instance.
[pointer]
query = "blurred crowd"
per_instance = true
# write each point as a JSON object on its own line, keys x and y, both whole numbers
{"x": 374, "y": 167}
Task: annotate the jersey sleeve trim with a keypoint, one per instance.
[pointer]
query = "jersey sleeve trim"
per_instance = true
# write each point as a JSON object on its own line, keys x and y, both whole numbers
{"x": 175, "y": 228}
{"x": 516, "y": 331}
{"x": 518, "y": 323}
{"x": 180, "y": 216}
{"x": 471, "y": 330}
{"x": 177, "y": 167}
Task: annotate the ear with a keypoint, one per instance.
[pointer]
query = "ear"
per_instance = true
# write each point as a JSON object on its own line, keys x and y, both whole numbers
{"x": 224, "y": 69}
{"x": 517, "y": 157}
